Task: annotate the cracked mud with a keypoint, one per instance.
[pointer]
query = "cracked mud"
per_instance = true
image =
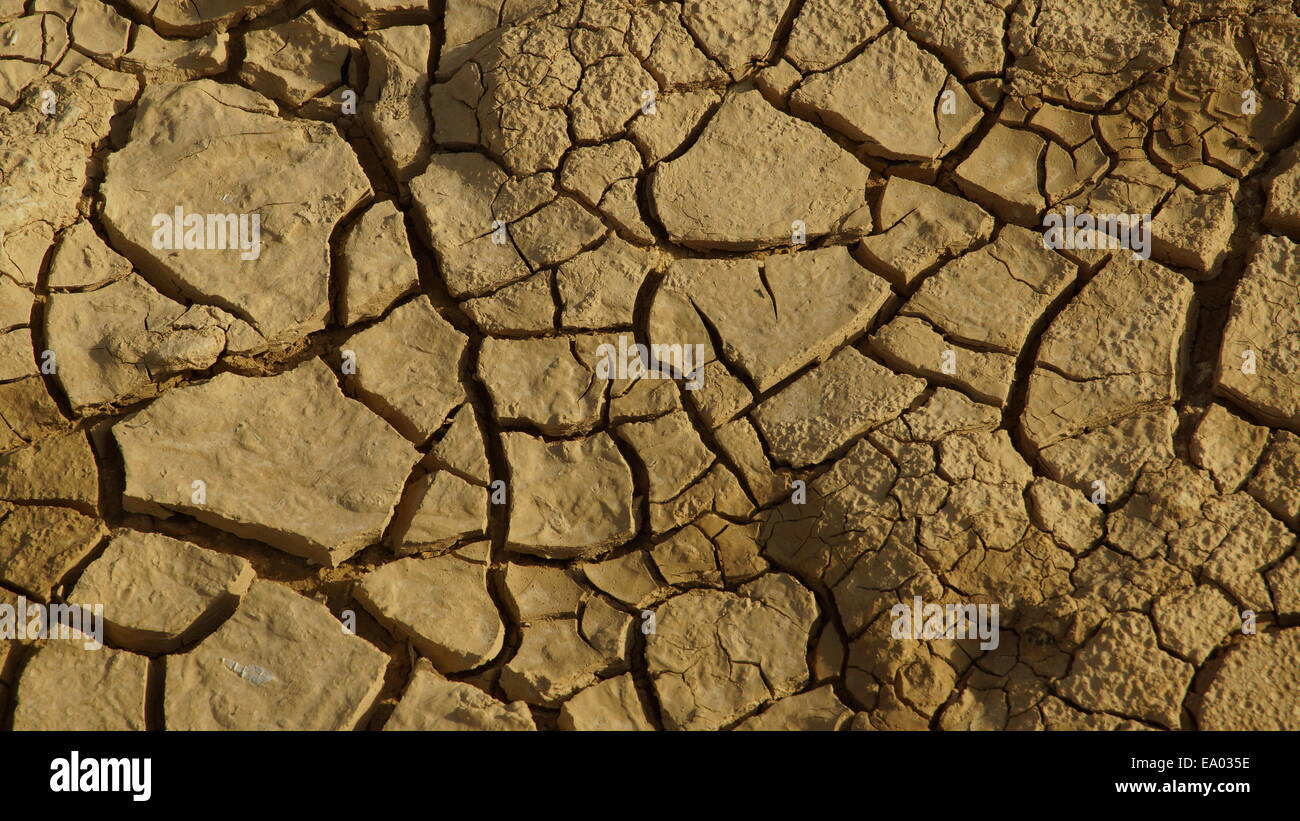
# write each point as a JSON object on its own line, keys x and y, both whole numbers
{"x": 600, "y": 364}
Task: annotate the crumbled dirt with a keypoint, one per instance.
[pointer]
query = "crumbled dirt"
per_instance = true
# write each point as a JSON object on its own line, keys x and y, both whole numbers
{"x": 306, "y": 320}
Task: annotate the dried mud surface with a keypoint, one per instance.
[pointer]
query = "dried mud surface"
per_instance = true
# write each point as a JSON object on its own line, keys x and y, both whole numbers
{"x": 372, "y": 474}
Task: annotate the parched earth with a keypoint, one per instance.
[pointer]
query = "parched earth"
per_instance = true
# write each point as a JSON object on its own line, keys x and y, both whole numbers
{"x": 306, "y": 312}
